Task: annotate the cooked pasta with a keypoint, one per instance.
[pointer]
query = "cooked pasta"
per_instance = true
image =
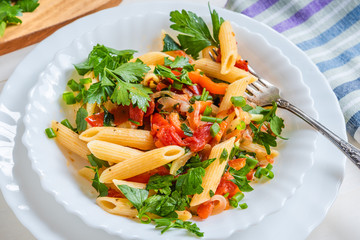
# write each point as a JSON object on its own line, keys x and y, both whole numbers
{"x": 170, "y": 134}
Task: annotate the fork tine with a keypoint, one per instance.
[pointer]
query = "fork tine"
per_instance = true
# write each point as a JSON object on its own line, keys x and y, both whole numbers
{"x": 260, "y": 86}
{"x": 212, "y": 57}
{"x": 252, "y": 89}
{"x": 215, "y": 51}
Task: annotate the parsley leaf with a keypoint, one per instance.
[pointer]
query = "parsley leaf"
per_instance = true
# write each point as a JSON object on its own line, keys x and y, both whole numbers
{"x": 136, "y": 196}
{"x": 81, "y": 123}
{"x": 187, "y": 131}
{"x": 170, "y": 44}
{"x": 195, "y": 162}
{"x": 240, "y": 178}
{"x": 161, "y": 183}
{"x": 224, "y": 155}
{"x": 179, "y": 62}
{"x": 132, "y": 71}
{"x": 167, "y": 223}
{"x": 100, "y": 187}
{"x": 190, "y": 183}
{"x": 96, "y": 162}
{"x": 196, "y": 35}
{"x": 216, "y": 23}
{"x": 137, "y": 94}
{"x": 28, "y": 5}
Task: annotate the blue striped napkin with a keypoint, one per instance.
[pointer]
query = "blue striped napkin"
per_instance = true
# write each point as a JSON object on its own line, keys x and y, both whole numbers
{"x": 328, "y": 31}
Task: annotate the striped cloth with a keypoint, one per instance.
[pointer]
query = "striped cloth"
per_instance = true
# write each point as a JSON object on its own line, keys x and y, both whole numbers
{"x": 328, "y": 31}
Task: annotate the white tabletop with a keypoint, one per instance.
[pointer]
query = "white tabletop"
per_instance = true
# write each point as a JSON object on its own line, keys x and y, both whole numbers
{"x": 341, "y": 221}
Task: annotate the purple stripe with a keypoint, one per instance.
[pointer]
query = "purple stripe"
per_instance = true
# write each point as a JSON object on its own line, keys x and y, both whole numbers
{"x": 258, "y": 7}
{"x": 302, "y": 15}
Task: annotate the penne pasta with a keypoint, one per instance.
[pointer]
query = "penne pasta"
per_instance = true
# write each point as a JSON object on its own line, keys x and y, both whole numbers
{"x": 236, "y": 88}
{"x": 118, "y": 206}
{"x": 213, "y": 172}
{"x": 213, "y": 69}
{"x": 70, "y": 140}
{"x": 181, "y": 161}
{"x": 228, "y": 47}
{"x": 259, "y": 150}
{"x": 142, "y": 163}
{"x": 153, "y": 58}
{"x": 135, "y": 138}
{"x": 128, "y": 183}
{"x": 112, "y": 152}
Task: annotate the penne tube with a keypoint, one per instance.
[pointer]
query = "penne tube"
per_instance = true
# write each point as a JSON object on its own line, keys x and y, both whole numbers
{"x": 70, "y": 140}
{"x": 259, "y": 150}
{"x": 228, "y": 47}
{"x": 236, "y": 88}
{"x": 153, "y": 58}
{"x": 181, "y": 161}
{"x": 142, "y": 163}
{"x": 128, "y": 183}
{"x": 213, "y": 172}
{"x": 135, "y": 138}
{"x": 212, "y": 69}
{"x": 118, "y": 206}
{"x": 111, "y": 152}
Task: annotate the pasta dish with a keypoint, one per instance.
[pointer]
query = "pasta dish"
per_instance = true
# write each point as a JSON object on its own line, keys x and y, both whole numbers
{"x": 169, "y": 136}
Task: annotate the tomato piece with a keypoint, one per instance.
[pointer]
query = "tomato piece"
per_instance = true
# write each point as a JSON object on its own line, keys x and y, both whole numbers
{"x": 238, "y": 163}
{"x": 180, "y": 53}
{"x": 164, "y": 133}
{"x": 195, "y": 89}
{"x": 242, "y": 64}
{"x": 150, "y": 110}
{"x": 200, "y": 138}
{"x": 96, "y": 120}
{"x": 114, "y": 193}
{"x": 226, "y": 186}
{"x": 144, "y": 177}
{"x": 121, "y": 114}
{"x": 175, "y": 121}
{"x": 160, "y": 86}
{"x": 194, "y": 117}
{"x": 205, "y": 209}
{"x": 136, "y": 114}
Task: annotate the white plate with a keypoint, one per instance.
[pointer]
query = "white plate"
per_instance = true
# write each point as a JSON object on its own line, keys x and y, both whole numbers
{"x": 17, "y": 177}
{"x": 45, "y": 105}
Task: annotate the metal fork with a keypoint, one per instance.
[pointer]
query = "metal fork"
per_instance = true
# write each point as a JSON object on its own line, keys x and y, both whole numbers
{"x": 263, "y": 93}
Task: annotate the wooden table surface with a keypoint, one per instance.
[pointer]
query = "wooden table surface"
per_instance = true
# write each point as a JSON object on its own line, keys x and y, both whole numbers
{"x": 46, "y": 19}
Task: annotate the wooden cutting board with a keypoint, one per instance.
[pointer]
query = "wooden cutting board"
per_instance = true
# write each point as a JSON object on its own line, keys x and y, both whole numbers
{"x": 46, "y": 19}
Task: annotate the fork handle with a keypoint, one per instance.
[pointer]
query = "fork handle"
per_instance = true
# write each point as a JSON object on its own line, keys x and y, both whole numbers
{"x": 348, "y": 149}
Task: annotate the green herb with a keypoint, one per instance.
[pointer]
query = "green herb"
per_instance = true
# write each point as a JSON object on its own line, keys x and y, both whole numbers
{"x": 240, "y": 178}
{"x": 73, "y": 85}
{"x": 28, "y": 5}
{"x": 161, "y": 183}
{"x": 238, "y": 101}
{"x": 198, "y": 98}
{"x": 50, "y": 133}
{"x": 135, "y": 195}
{"x": 214, "y": 129}
{"x": 187, "y": 131}
{"x": 96, "y": 162}
{"x": 134, "y": 122}
{"x": 211, "y": 119}
{"x": 9, "y": 12}
{"x": 108, "y": 117}
{"x": 243, "y": 206}
{"x": 195, "y": 162}
{"x": 167, "y": 223}
{"x": 190, "y": 183}
{"x": 195, "y": 33}
{"x": 226, "y": 195}
{"x": 264, "y": 172}
{"x": 224, "y": 155}
{"x": 69, "y": 98}
{"x": 191, "y": 109}
{"x": 67, "y": 124}
{"x": 251, "y": 162}
{"x": 234, "y": 201}
{"x": 81, "y": 123}
{"x": 179, "y": 62}
{"x": 204, "y": 95}
{"x": 170, "y": 44}
{"x": 241, "y": 126}
{"x": 101, "y": 57}
{"x": 208, "y": 111}
{"x": 211, "y": 193}
{"x": 100, "y": 187}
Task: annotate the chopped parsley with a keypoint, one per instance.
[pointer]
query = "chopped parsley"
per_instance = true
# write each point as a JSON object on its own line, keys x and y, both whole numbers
{"x": 187, "y": 131}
